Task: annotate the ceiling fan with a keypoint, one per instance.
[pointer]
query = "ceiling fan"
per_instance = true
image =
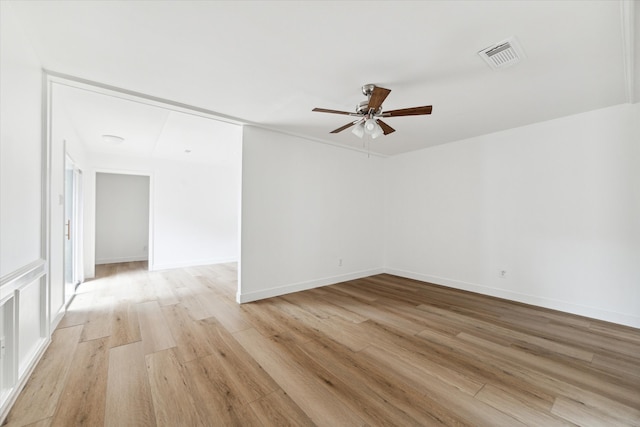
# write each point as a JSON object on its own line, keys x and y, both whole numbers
{"x": 370, "y": 111}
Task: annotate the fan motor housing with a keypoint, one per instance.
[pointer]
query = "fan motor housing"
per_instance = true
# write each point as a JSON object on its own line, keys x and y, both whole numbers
{"x": 363, "y": 108}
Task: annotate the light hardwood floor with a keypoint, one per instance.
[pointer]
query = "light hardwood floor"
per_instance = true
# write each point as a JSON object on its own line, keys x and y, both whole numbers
{"x": 172, "y": 348}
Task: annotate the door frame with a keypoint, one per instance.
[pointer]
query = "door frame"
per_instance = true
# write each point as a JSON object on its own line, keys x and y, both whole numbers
{"x": 53, "y": 77}
{"x": 76, "y": 228}
{"x": 151, "y": 205}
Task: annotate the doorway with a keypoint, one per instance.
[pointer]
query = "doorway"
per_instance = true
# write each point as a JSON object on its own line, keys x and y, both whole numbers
{"x": 193, "y": 161}
{"x": 73, "y": 263}
{"x": 122, "y": 218}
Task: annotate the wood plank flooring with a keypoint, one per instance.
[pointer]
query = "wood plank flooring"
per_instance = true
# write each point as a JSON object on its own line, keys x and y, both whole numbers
{"x": 140, "y": 348}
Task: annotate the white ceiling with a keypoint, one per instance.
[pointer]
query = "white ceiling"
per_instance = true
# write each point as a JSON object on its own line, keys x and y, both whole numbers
{"x": 148, "y": 131}
{"x": 269, "y": 63}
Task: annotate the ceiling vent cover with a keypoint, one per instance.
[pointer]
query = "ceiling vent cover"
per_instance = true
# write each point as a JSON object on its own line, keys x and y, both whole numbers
{"x": 504, "y": 54}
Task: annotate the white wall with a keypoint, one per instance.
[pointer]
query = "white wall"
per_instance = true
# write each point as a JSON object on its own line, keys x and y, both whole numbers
{"x": 23, "y": 250}
{"x": 305, "y": 206}
{"x": 195, "y": 208}
{"x": 555, "y": 204}
{"x": 21, "y": 148}
{"x": 122, "y": 218}
{"x": 197, "y": 211}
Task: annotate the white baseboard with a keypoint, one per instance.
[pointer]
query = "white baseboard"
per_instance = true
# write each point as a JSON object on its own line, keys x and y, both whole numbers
{"x": 59, "y": 315}
{"x": 193, "y": 263}
{"x": 581, "y": 310}
{"x": 122, "y": 259}
{"x": 303, "y": 286}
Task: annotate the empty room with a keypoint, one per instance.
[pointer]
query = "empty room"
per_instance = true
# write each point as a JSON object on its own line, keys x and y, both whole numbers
{"x": 270, "y": 213}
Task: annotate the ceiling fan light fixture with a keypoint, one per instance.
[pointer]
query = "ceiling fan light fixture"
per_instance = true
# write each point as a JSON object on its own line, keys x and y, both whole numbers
{"x": 358, "y": 130}
{"x": 377, "y": 131}
{"x": 370, "y": 126}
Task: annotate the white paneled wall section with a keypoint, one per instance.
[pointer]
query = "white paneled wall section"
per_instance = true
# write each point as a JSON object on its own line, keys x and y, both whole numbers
{"x": 24, "y": 311}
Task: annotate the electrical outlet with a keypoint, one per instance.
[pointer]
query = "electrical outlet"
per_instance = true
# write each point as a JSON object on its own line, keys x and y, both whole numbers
{"x": 144, "y": 248}
{"x": 2, "y": 349}
{"x": 339, "y": 262}
{"x": 502, "y": 274}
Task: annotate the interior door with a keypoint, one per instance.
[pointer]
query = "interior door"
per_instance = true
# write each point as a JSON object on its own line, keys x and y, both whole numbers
{"x": 73, "y": 265}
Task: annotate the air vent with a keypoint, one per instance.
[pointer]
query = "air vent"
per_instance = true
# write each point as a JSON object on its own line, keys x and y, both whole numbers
{"x": 502, "y": 55}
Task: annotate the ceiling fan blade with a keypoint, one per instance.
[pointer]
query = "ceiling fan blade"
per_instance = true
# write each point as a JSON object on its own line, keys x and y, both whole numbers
{"x": 378, "y": 96}
{"x": 340, "y": 129}
{"x": 414, "y": 111}
{"x": 385, "y": 127}
{"x": 324, "y": 110}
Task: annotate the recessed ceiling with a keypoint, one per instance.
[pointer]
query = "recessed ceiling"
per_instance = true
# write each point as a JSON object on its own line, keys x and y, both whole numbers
{"x": 270, "y": 63}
